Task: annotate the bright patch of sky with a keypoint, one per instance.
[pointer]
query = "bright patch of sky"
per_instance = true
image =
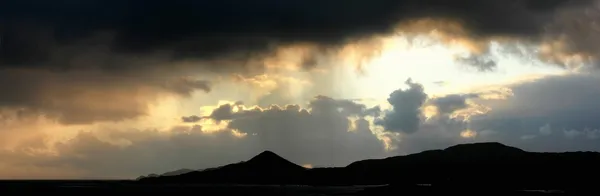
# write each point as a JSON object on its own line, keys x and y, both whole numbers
{"x": 434, "y": 66}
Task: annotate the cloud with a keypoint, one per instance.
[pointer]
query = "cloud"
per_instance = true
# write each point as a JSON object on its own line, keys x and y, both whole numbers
{"x": 437, "y": 134}
{"x": 185, "y": 86}
{"x": 225, "y": 112}
{"x": 278, "y": 89}
{"x": 84, "y": 66}
{"x": 481, "y": 62}
{"x": 328, "y": 125}
{"x": 215, "y": 29}
{"x": 545, "y": 112}
{"x": 59, "y": 62}
{"x": 564, "y": 102}
{"x": 412, "y": 110}
{"x": 405, "y": 115}
{"x": 546, "y": 130}
{"x": 323, "y": 104}
{"x": 191, "y": 119}
{"x": 82, "y": 97}
{"x": 553, "y": 113}
{"x": 328, "y": 133}
{"x": 448, "y": 104}
{"x": 571, "y": 35}
{"x": 140, "y": 152}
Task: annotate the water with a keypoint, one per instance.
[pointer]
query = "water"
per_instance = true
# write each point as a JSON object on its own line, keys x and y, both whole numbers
{"x": 109, "y": 187}
{"x": 20, "y": 187}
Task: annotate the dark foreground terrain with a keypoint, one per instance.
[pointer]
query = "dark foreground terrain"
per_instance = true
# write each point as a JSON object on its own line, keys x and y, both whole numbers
{"x": 488, "y": 166}
{"x": 467, "y": 169}
{"x": 130, "y": 187}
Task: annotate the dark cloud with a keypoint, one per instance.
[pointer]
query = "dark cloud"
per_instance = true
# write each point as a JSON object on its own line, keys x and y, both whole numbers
{"x": 32, "y": 30}
{"x": 321, "y": 109}
{"x": 448, "y": 104}
{"x": 405, "y": 115}
{"x": 555, "y": 113}
{"x": 321, "y": 105}
{"x": 481, "y": 62}
{"x": 324, "y": 104}
{"x": 105, "y": 60}
{"x": 225, "y": 112}
{"x": 576, "y": 32}
{"x": 375, "y": 111}
{"x": 191, "y": 119}
{"x": 54, "y": 55}
{"x": 79, "y": 97}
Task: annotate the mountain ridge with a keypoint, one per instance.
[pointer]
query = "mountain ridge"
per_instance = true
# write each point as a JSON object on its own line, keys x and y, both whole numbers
{"x": 475, "y": 163}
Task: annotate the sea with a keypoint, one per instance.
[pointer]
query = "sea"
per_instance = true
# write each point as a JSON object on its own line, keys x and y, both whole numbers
{"x": 78, "y": 187}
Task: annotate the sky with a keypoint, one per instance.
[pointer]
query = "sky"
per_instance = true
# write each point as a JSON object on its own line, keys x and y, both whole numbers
{"x": 107, "y": 89}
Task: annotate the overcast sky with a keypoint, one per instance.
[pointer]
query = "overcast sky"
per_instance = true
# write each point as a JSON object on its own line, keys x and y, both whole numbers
{"x": 122, "y": 88}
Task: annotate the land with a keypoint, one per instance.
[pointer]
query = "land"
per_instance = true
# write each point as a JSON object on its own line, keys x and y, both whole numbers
{"x": 467, "y": 169}
{"x": 104, "y": 187}
{"x": 483, "y": 165}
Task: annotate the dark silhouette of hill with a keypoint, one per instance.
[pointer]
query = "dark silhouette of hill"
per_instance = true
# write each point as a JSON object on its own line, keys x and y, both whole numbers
{"x": 171, "y": 173}
{"x": 475, "y": 166}
{"x": 482, "y": 165}
{"x": 177, "y": 172}
{"x": 265, "y": 168}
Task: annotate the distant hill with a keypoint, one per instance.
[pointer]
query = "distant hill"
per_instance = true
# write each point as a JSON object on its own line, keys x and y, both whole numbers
{"x": 475, "y": 165}
{"x": 265, "y": 168}
{"x": 171, "y": 173}
{"x": 178, "y": 172}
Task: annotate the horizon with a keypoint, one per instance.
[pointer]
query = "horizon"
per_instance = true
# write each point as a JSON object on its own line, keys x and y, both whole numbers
{"x": 159, "y": 174}
{"x": 107, "y": 89}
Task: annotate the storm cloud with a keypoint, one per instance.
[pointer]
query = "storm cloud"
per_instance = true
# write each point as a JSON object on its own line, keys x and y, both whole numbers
{"x": 177, "y": 47}
{"x": 405, "y": 116}
{"x": 151, "y": 82}
{"x": 33, "y": 30}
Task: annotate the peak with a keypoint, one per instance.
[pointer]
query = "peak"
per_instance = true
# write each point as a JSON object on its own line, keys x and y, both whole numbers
{"x": 266, "y": 155}
{"x": 270, "y": 159}
{"x": 497, "y": 144}
{"x": 484, "y": 146}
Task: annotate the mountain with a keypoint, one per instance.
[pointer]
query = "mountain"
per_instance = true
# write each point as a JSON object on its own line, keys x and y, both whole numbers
{"x": 265, "y": 168}
{"x": 474, "y": 165}
{"x": 177, "y": 172}
{"x": 171, "y": 173}
{"x": 480, "y": 165}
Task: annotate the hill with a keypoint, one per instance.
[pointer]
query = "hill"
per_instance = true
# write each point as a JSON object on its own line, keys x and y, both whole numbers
{"x": 171, "y": 173}
{"x": 265, "y": 168}
{"x": 475, "y": 165}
